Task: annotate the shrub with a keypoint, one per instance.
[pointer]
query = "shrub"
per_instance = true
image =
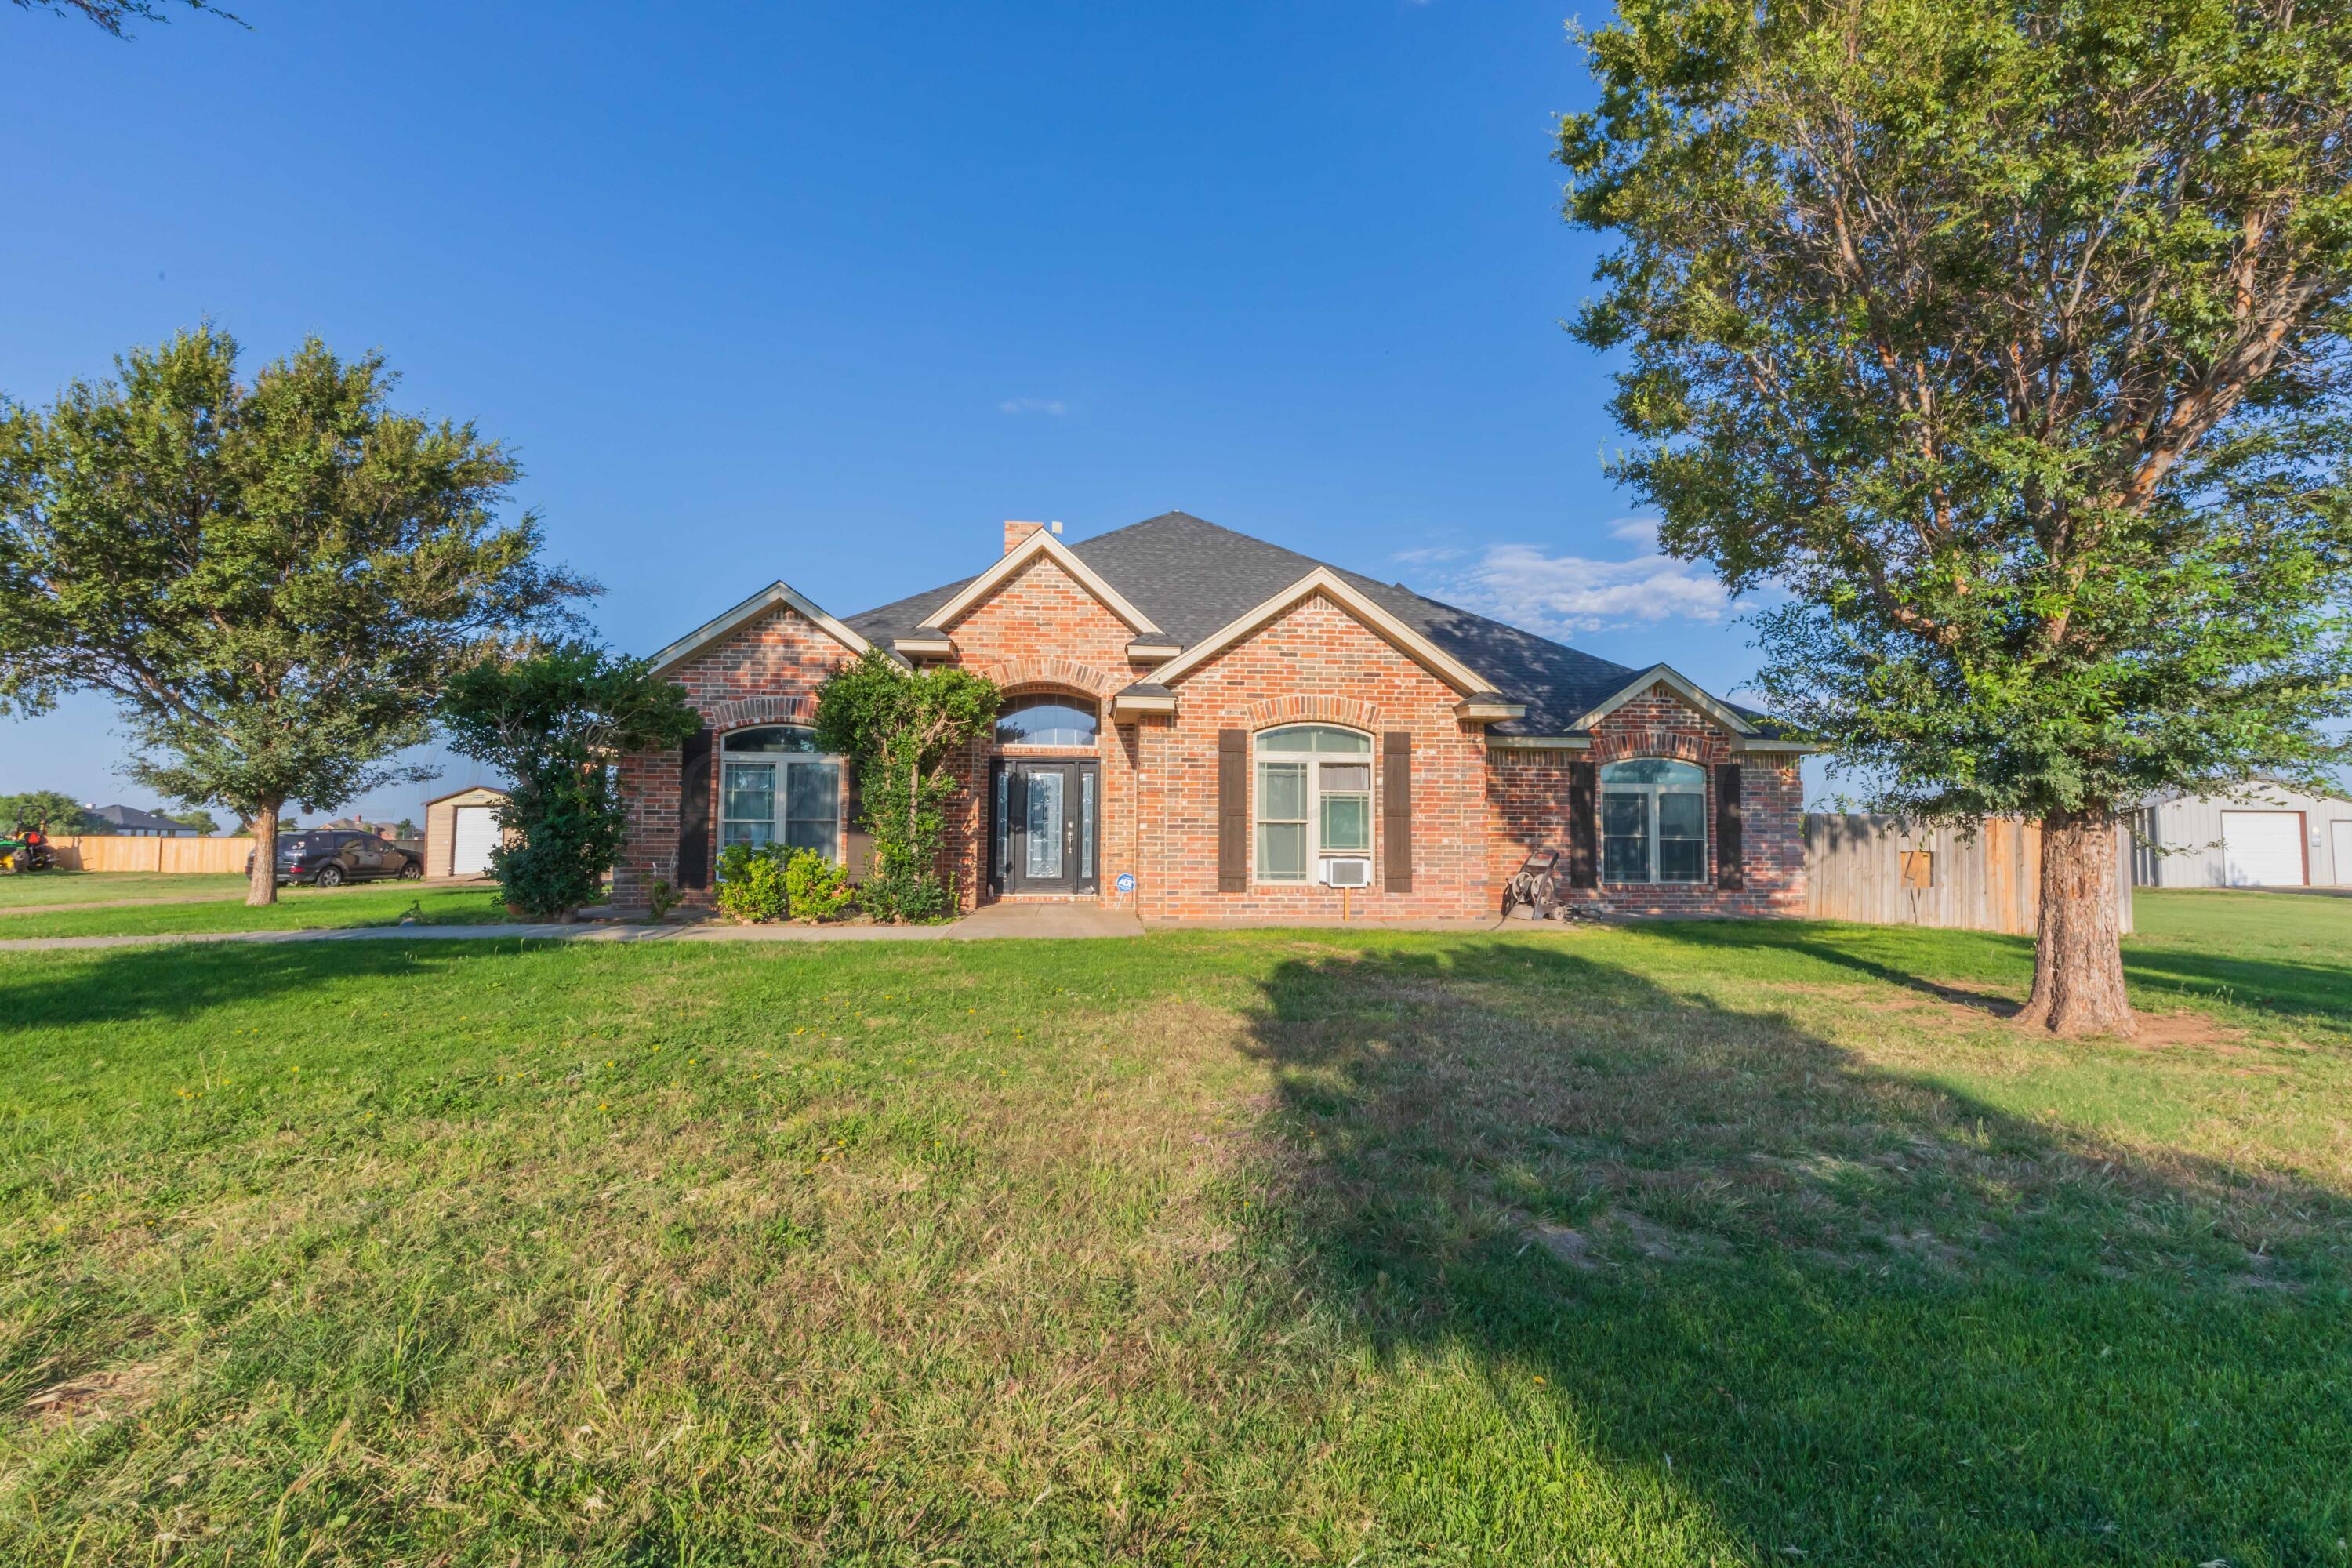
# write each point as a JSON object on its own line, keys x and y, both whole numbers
{"x": 551, "y": 720}
{"x": 751, "y": 883}
{"x": 660, "y": 899}
{"x": 816, "y": 889}
{"x": 906, "y": 732}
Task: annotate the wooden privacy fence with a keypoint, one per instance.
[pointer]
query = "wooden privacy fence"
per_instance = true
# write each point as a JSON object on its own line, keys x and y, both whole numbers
{"x": 106, "y": 852}
{"x": 1882, "y": 870}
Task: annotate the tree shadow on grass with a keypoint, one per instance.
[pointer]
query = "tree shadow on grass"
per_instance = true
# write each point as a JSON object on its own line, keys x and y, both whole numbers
{"x": 71, "y": 987}
{"x": 2314, "y": 993}
{"x": 1843, "y": 1314}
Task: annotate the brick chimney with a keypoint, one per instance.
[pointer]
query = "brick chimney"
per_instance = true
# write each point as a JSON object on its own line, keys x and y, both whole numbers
{"x": 1014, "y": 533}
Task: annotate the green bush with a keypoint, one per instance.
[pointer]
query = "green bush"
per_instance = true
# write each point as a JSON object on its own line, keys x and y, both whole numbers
{"x": 816, "y": 889}
{"x": 751, "y": 882}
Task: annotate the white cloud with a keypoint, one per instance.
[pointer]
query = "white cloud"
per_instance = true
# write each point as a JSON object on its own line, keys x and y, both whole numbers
{"x": 1560, "y": 595}
{"x": 1642, "y": 530}
{"x": 1053, "y": 406}
{"x": 1428, "y": 556}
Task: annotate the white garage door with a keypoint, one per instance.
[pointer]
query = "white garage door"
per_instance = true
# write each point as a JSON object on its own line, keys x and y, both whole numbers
{"x": 2265, "y": 848}
{"x": 471, "y": 840}
{"x": 2342, "y": 848}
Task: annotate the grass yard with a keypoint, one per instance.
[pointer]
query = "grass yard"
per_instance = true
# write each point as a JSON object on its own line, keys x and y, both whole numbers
{"x": 297, "y": 909}
{"x": 1685, "y": 1244}
{"x": 37, "y": 888}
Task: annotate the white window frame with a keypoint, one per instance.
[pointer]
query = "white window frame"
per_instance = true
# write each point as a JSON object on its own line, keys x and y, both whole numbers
{"x": 1315, "y": 762}
{"x": 780, "y": 762}
{"x": 1648, "y": 793}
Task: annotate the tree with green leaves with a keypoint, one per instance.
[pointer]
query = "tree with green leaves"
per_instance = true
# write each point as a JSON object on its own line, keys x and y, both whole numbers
{"x": 2007, "y": 341}
{"x": 272, "y": 578}
{"x": 903, "y": 730}
{"x": 552, "y": 721}
{"x": 205, "y": 824}
{"x": 46, "y": 809}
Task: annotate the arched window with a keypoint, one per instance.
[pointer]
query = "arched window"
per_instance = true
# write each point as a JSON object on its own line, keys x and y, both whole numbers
{"x": 1047, "y": 718}
{"x": 1313, "y": 799}
{"x": 1653, "y": 821}
{"x": 774, "y": 786}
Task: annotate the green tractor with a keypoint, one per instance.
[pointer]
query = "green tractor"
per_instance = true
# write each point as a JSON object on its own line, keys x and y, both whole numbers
{"x": 28, "y": 849}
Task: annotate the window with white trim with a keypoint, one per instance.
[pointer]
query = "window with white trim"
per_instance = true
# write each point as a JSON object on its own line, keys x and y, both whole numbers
{"x": 1313, "y": 799}
{"x": 1653, "y": 821}
{"x": 775, "y": 786}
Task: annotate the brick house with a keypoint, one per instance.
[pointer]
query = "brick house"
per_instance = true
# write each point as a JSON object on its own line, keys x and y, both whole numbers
{"x": 1202, "y": 725}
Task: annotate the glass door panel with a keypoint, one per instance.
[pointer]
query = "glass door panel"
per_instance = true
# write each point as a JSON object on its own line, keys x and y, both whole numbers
{"x": 1042, "y": 855}
{"x": 1045, "y": 821}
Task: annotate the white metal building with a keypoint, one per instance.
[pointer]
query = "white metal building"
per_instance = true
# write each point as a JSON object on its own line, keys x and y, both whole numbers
{"x": 460, "y": 831}
{"x": 2258, "y": 835}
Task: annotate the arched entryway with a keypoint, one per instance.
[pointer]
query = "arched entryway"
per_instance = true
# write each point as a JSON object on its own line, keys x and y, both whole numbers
{"x": 1046, "y": 804}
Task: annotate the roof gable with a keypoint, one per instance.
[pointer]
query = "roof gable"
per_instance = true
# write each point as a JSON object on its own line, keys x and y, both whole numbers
{"x": 1016, "y": 560}
{"x": 1194, "y": 579}
{"x": 728, "y": 623}
{"x": 1324, "y": 582}
{"x": 1681, "y": 686}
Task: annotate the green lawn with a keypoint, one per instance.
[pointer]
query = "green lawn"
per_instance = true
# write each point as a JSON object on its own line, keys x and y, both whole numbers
{"x": 297, "y": 909}
{"x": 1683, "y": 1244}
{"x": 90, "y": 887}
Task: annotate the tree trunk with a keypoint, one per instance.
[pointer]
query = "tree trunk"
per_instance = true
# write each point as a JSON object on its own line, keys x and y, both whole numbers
{"x": 261, "y": 883}
{"x": 2078, "y": 961}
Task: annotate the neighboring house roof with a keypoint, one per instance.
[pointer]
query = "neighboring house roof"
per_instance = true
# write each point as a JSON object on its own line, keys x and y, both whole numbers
{"x": 130, "y": 818}
{"x": 1193, "y": 579}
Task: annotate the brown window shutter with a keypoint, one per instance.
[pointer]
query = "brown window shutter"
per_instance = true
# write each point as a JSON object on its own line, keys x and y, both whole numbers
{"x": 858, "y": 845}
{"x": 1396, "y": 811}
{"x": 1232, "y": 811}
{"x": 694, "y": 812}
{"x": 1583, "y": 825}
{"x": 1730, "y": 870}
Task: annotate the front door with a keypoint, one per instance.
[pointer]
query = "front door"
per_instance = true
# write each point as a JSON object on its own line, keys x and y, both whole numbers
{"x": 1046, "y": 817}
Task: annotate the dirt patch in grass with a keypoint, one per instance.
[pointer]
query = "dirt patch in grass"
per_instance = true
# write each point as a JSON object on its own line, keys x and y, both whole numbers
{"x": 95, "y": 1395}
{"x": 2167, "y": 1031}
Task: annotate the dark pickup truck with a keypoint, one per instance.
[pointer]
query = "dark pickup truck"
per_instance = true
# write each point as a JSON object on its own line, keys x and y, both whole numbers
{"x": 326, "y": 859}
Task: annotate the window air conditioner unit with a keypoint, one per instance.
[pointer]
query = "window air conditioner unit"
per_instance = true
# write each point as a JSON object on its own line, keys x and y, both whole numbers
{"x": 1354, "y": 872}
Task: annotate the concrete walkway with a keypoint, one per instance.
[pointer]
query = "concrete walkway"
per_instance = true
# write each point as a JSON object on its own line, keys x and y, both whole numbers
{"x": 994, "y": 920}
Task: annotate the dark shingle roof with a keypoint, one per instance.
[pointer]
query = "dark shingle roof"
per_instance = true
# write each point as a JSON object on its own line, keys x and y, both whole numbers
{"x": 128, "y": 818}
{"x": 1193, "y": 577}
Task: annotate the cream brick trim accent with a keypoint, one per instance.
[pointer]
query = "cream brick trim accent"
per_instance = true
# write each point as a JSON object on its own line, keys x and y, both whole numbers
{"x": 1307, "y": 708}
{"x": 1680, "y": 744}
{"x": 1053, "y": 669}
{"x": 743, "y": 712}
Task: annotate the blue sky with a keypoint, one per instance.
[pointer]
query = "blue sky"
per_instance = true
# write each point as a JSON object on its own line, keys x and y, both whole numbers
{"x": 827, "y": 292}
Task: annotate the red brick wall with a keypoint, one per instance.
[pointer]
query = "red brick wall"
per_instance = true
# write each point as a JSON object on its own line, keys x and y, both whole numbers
{"x": 1041, "y": 631}
{"x": 1477, "y": 812}
{"x": 767, "y": 673}
{"x": 1530, "y": 799}
{"x": 1315, "y": 663}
